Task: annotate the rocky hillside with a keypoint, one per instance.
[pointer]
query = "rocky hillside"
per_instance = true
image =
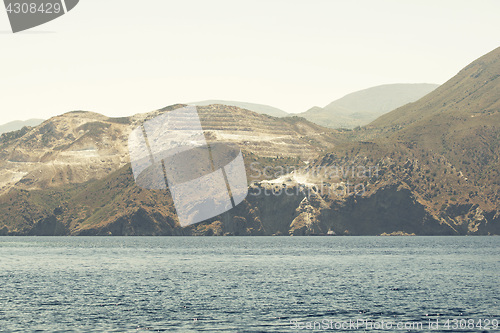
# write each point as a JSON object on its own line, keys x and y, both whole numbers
{"x": 431, "y": 167}
{"x": 46, "y": 170}
{"x": 80, "y": 146}
{"x": 459, "y": 122}
{"x": 71, "y": 148}
{"x": 438, "y": 164}
{"x": 428, "y": 168}
{"x": 362, "y": 107}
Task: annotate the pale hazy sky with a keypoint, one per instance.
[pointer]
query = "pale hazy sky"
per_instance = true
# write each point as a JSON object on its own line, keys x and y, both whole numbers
{"x": 121, "y": 57}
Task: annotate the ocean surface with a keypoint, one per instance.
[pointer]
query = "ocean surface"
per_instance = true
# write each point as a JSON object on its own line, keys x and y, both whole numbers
{"x": 249, "y": 284}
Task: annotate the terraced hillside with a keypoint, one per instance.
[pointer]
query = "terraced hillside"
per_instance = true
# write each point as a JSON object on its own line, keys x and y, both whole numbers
{"x": 266, "y": 136}
{"x": 65, "y": 156}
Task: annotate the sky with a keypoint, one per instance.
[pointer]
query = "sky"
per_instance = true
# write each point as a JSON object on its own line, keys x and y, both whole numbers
{"x": 124, "y": 57}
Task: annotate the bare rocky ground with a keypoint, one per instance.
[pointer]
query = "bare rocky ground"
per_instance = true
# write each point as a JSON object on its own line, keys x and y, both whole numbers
{"x": 80, "y": 146}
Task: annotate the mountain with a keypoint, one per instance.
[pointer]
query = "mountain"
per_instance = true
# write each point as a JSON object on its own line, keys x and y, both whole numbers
{"x": 18, "y": 124}
{"x": 259, "y": 108}
{"x": 362, "y": 107}
{"x": 78, "y": 146}
{"x": 438, "y": 162}
{"x": 71, "y": 174}
{"x": 430, "y": 167}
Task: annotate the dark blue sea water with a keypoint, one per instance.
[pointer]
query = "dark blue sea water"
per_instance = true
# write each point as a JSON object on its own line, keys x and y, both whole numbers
{"x": 248, "y": 284}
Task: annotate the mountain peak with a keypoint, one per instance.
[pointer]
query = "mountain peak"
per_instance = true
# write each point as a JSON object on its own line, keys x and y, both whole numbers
{"x": 474, "y": 91}
{"x": 361, "y": 107}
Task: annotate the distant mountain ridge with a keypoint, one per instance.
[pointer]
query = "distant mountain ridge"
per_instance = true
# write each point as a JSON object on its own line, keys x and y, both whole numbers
{"x": 18, "y": 124}
{"x": 259, "y": 108}
{"x": 361, "y": 107}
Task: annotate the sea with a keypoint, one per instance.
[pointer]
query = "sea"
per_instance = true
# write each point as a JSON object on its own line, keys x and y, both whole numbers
{"x": 250, "y": 284}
